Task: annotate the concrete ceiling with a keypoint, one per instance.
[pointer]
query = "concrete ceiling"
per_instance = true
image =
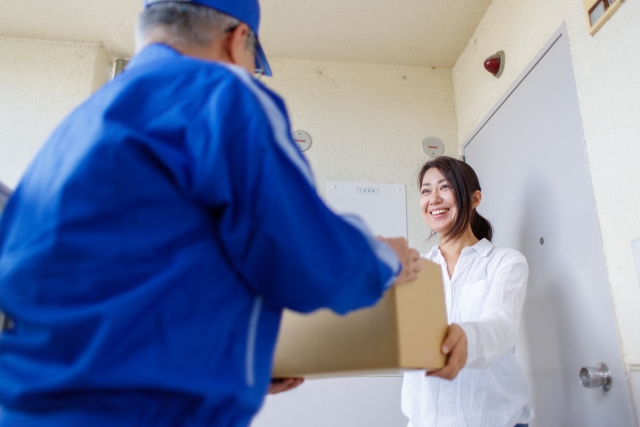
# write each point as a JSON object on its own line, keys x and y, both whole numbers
{"x": 430, "y": 33}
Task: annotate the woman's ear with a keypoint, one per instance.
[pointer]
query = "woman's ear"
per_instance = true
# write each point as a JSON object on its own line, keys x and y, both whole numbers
{"x": 476, "y": 198}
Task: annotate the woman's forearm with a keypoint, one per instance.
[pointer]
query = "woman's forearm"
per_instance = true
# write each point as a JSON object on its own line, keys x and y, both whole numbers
{"x": 488, "y": 340}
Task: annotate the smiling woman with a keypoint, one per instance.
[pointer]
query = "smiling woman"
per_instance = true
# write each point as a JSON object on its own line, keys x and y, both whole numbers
{"x": 450, "y": 177}
{"x": 485, "y": 288}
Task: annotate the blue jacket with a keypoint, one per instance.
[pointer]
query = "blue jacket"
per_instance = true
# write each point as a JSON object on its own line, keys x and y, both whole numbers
{"x": 149, "y": 250}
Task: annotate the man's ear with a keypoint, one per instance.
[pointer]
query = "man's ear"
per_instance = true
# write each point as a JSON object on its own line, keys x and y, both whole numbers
{"x": 476, "y": 199}
{"x": 236, "y": 44}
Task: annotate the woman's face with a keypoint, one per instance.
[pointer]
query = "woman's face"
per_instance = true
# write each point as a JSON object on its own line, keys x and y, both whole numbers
{"x": 437, "y": 201}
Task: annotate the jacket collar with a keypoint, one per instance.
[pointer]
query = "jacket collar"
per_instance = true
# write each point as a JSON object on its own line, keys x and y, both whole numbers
{"x": 151, "y": 53}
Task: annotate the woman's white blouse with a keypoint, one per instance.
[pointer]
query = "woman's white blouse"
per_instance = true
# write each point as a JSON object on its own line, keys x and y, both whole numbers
{"x": 484, "y": 297}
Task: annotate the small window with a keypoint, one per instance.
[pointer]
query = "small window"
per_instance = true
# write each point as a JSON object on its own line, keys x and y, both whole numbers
{"x": 599, "y": 11}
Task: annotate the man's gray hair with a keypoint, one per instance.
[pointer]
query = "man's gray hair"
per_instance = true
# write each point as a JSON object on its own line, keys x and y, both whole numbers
{"x": 181, "y": 24}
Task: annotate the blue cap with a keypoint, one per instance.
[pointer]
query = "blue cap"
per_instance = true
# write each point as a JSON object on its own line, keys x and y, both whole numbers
{"x": 247, "y": 11}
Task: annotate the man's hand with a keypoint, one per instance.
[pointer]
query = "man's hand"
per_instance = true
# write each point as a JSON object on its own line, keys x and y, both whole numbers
{"x": 409, "y": 257}
{"x": 455, "y": 346}
{"x": 284, "y": 384}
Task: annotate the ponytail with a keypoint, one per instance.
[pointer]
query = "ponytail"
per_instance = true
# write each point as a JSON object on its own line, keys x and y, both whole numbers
{"x": 481, "y": 227}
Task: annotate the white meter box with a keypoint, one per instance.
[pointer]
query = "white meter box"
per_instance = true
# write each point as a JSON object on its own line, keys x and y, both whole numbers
{"x": 383, "y": 207}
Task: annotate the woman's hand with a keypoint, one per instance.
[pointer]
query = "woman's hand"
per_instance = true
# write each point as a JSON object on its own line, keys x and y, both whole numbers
{"x": 455, "y": 346}
{"x": 284, "y": 384}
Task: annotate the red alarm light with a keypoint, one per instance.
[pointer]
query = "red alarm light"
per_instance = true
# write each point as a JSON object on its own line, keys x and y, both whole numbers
{"x": 495, "y": 64}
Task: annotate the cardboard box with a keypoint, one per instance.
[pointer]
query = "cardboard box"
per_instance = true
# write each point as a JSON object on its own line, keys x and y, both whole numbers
{"x": 404, "y": 331}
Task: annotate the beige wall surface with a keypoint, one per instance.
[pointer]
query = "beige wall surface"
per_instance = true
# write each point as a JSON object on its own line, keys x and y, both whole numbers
{"x": 40, "y": 83}
{"x": 607, "y": 71}
{"x": 367, "y": 122}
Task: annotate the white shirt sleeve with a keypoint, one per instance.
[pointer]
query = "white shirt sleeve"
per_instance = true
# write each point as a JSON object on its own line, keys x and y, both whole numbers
{"x": 495, "y": 333}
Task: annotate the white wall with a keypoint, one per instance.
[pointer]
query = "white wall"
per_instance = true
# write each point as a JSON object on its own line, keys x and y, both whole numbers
{"x": 607, "y": 71}
{"x": 40, "y": 83}
{"x": 367, "y": 122}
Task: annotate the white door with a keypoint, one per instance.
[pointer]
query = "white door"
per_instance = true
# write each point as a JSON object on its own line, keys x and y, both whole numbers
{"x": 531, "y": 161}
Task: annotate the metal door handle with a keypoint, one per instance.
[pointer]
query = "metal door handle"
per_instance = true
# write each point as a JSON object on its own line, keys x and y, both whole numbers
{"x": 599, "y": 376}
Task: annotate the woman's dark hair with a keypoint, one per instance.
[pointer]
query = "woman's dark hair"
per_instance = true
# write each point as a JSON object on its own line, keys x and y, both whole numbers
{"x": 464, "y": 182}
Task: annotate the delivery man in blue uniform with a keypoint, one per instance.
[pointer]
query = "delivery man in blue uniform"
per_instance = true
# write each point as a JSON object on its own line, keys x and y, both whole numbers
{"x": 150, "y": 248}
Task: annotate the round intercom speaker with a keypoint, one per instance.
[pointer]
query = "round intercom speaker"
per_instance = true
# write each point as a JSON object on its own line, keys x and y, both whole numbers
{"x": 302, "y": 139}
{"x": 433, "y": 147}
